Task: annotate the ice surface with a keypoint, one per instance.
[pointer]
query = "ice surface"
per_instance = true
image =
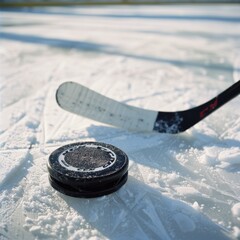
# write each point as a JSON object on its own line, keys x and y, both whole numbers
{"x": 166, "y": 58}
{"x": 236, "y": 210}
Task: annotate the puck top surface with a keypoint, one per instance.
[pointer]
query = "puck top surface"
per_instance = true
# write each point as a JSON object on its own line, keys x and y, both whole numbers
{"x": 87, "y": 158}
{"x": 87, "y": 161}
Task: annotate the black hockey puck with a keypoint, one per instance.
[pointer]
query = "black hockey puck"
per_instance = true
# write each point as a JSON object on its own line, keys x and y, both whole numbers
{"x": 88, "y": 169}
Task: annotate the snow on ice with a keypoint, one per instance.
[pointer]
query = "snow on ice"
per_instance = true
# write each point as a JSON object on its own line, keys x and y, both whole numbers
{"x": 168, "y": 58}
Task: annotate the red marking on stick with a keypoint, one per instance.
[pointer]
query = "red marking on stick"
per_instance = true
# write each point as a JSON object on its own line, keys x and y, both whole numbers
{"x": 211, "y": 107}
{"x": 214, "y": 104}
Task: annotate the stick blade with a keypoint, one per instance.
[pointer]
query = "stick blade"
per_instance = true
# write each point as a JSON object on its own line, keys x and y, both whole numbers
{"x": 80, "y": 100}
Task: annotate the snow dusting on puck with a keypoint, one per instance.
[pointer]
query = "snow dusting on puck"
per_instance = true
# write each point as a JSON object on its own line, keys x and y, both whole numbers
{"x": 88, "y": 169}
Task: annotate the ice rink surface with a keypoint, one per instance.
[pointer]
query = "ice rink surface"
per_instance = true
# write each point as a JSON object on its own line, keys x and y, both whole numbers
{"x": 165, "y": 58}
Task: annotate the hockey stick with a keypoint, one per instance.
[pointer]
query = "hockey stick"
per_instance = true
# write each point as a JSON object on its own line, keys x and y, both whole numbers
{"x": 175, "y": 122}
{"x": 83, "y": 101}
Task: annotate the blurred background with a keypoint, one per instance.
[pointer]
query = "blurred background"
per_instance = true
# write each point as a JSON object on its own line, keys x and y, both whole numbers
{"x": 16, "y": 3}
